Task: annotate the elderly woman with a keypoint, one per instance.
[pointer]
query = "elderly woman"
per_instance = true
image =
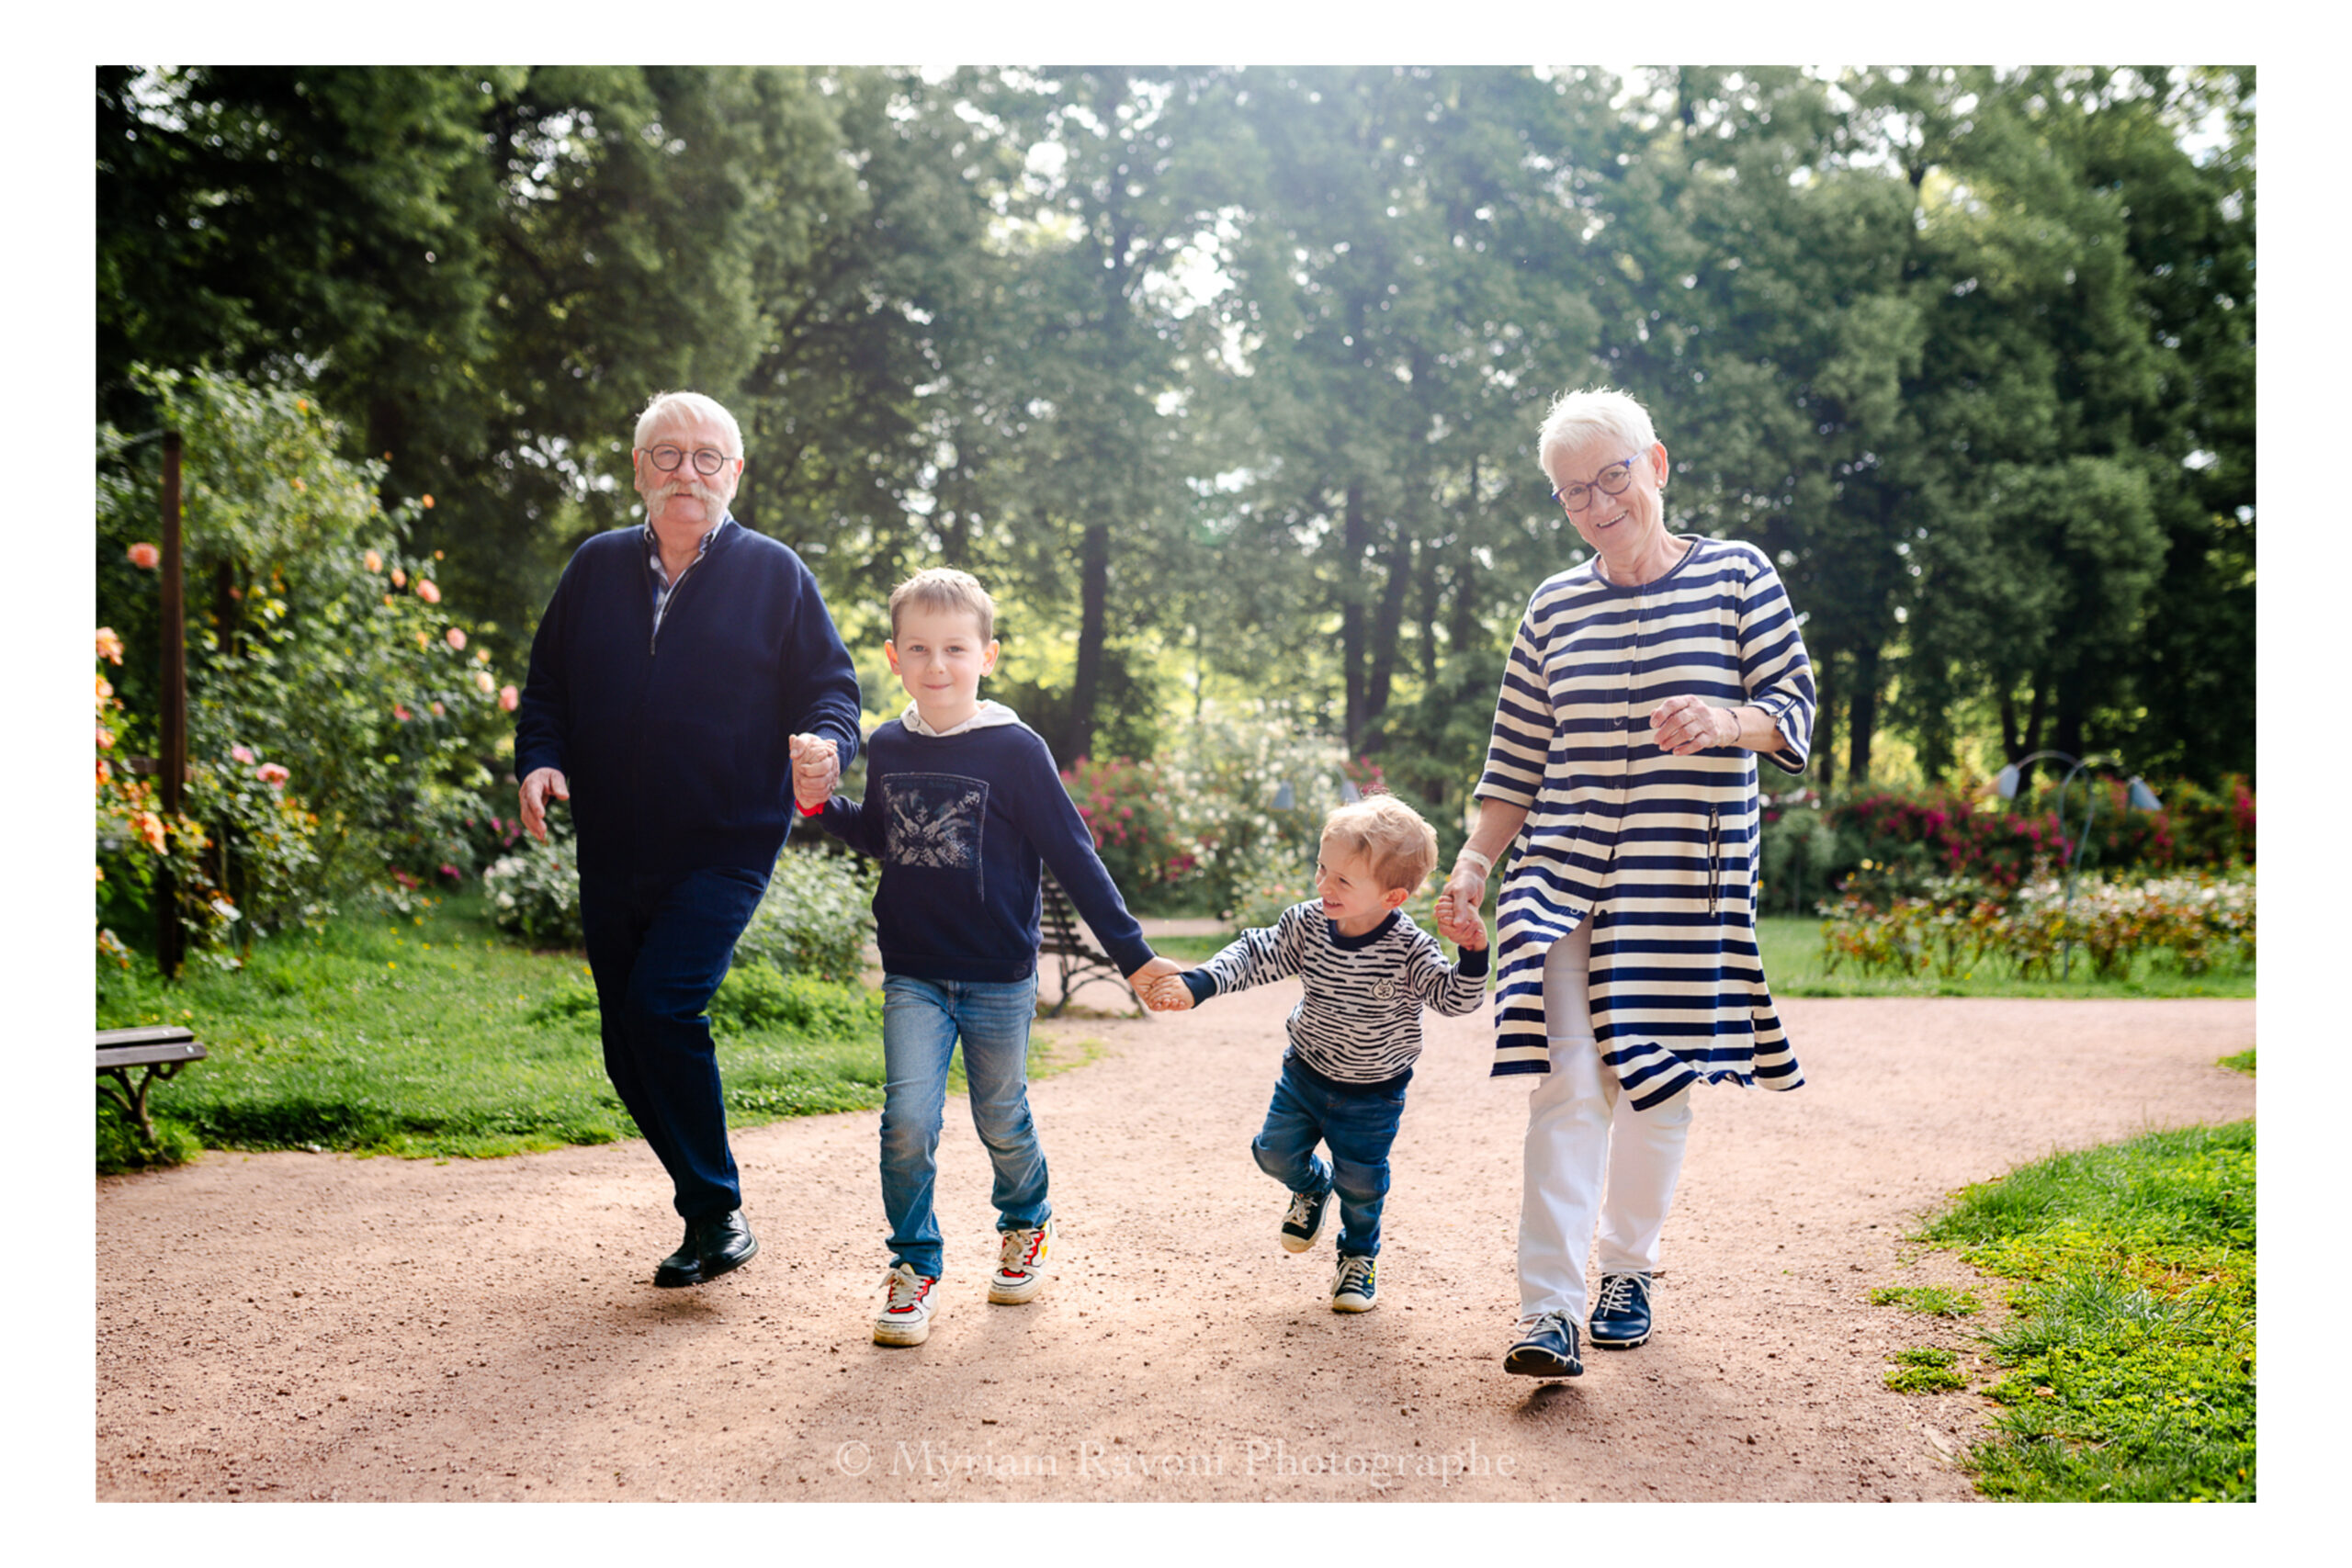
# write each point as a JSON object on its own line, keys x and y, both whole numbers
{"x": 1642, "y": 687}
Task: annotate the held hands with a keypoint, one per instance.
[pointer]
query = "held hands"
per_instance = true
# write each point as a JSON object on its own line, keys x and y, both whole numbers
{"x": 815, "y": 769}
{"x": 1458, "y": 904}
{"x": 545, "y": 784}
{"x": 1160, "y": 985}
{"x": 1683, "y": 725}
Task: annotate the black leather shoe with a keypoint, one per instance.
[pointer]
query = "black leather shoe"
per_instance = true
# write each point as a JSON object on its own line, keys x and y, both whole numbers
{"x": 1621, "y": 1315}
{"x": 1546, "y": 1349}
{"x": 712, "y": 1248}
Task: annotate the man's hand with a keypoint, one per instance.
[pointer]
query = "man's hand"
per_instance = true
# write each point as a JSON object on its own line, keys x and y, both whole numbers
{"x": 816, "y": 770}
{"x": 544, "y": 784}
{"x": 1152, "y": 982}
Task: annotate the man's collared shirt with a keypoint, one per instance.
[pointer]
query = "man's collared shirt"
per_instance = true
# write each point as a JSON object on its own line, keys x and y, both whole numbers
{"x": 662, "y": 586}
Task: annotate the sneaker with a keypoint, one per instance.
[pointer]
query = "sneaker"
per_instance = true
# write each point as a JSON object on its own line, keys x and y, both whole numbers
{"x": 1305, "y": 1221}
{"x": 1547, "y": 1348}
{"x": 1353, "y": 1286}
{"x": 1620, "y": 1315}
{"x": 1021, "y": 1264}
{"x": 905, "y": 1315}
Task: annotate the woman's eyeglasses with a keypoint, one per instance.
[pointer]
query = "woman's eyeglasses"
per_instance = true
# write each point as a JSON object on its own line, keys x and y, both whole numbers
{"x": 1610, "y": 480}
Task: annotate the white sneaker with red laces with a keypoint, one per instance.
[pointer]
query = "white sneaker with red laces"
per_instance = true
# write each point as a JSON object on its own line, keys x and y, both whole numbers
{"x": 906, "y": 1314}
{"x": 1021, "y": 1265}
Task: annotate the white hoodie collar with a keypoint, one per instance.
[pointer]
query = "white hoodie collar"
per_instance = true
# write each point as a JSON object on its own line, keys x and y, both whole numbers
{"x": 988, "y": 716}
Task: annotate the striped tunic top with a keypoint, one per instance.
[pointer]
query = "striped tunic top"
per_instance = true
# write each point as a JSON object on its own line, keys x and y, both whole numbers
{"x": 1360, "y": 1022}
{"x": 1658, "y": 852}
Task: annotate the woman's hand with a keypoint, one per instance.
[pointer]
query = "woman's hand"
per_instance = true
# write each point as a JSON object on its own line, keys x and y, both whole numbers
{"x": 1458, "y": 904}
{"x": 1683, "y": 725}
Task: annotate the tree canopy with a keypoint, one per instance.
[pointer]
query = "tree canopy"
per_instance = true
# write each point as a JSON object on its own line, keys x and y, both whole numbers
{"x": 1232, "y": 376}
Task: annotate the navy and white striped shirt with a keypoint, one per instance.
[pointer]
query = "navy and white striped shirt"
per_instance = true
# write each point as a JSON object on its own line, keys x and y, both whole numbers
{"x": 1360, "y": 1022}
{"x": 1657, "y": 852}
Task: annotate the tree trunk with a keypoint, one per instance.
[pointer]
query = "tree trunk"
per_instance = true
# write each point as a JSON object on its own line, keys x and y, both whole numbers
{"x": 1354, "y": 536}
{"x": 1825, "y": 719}
{"x": 1389, "y": 623}
{"x": 1862, "y": 724}
{"x": 1094, "y": 592}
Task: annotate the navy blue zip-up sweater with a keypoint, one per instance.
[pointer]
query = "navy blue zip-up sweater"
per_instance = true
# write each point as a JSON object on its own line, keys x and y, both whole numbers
{"x": 961, "y": 824}
{"x": 676, "y": 746}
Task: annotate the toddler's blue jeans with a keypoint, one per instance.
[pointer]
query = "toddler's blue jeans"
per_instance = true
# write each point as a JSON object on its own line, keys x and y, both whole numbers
{"x": 922, "y": 1021}
{"x": 1358, "y": 1127}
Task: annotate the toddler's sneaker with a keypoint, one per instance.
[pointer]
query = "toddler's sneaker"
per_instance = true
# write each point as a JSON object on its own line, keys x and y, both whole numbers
{"x": 1621, "y": 1314}
{"x": 1305, "y": 1221}
{"x": 1353, "y": 1286}
{"x": 1021, "y": 1265}
{"x": 906, "y": 1314}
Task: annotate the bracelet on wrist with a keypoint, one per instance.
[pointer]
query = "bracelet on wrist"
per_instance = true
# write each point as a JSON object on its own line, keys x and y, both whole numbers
{"x": 1485, "y": 866}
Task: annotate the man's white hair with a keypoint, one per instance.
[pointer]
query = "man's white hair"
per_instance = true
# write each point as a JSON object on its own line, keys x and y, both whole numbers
{"x": 668, "y": 406}
{"x": 1576, "y": 418}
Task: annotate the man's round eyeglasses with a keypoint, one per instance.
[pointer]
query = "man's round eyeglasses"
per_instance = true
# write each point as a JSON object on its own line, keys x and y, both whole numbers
{"x": 708, "y": 460}
{"x": 1610, "y": 480}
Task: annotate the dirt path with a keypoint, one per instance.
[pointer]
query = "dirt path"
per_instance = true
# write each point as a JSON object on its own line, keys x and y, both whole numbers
{"x": 293, "y": 1326}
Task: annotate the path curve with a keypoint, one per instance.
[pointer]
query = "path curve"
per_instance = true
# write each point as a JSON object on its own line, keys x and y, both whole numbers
{"x": 299, "y": 1327}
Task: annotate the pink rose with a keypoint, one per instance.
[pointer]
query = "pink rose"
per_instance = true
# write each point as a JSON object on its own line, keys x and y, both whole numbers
{"x": 272, "y": 775}
{"x": 400, "y": 712}
{"x": 109, "y": 646}
{"x": 509, "y": 699}
{"x": 145, "y": 556}
{"x": 438, "y": 710}
{"x": 242, "y": 753}
{"x": 455, "y": 637}
{"x": 427, "y": 592}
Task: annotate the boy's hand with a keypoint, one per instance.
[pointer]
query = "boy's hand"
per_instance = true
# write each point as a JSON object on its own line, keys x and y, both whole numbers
{"x": 1457, "y": 908}
{"x": 815, "y": 769}
{"x": 1150, "y": 980}
{"x": 1472, "y": 937}
{"x": 1169, "y": 994}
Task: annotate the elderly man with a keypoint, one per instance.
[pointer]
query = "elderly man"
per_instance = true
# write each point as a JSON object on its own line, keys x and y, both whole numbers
{"x": 686, "y": 687}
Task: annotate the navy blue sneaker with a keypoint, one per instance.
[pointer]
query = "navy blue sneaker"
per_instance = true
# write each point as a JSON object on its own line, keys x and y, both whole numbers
{"x": 1547, "y": 1348}
{"x": 1305, "y": 1221}
{"x": 1356, "y": 1285}
{"x": 1620, "y": 1315}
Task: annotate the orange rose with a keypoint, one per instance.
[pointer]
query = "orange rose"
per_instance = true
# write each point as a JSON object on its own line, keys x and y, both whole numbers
{"x": 145, "y": 556}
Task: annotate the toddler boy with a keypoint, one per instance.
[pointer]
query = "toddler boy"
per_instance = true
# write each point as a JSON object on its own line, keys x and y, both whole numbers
{"x": 962, "y": 803}
{"x": 1368, "y": 971}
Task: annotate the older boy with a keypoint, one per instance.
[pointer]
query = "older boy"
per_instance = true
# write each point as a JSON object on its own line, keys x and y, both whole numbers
{"x": 1368, "y": 972}
{"x": 962, "y": 803}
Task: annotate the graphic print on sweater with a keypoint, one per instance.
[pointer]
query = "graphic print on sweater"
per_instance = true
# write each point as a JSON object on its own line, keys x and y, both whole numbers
{"x": 935, "y": 818}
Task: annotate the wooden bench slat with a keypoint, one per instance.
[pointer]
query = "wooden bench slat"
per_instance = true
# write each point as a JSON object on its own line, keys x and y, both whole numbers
{"x": 149, "y": 1055}
{"x": 153, "y": 1034}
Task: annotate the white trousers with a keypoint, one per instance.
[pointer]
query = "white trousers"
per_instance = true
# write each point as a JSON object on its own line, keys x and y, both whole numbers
{"x": 1591, "y": 1157}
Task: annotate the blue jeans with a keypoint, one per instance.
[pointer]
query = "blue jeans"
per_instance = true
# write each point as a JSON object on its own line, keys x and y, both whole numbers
{"x": 1358, "y": 1128}
{"x": 922, "y": 1021}
{"x": 658, "y": 948}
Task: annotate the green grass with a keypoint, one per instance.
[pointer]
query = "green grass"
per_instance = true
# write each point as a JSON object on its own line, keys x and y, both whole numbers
{"x": 1926, "y": 1370}
{"x": 2127, "y": 1363}
{"x": 432, "y": 1035}
{"x": 1929, "y": 1300}
{"x": 2240, "y": 1063}
{"x": 1792, "y": 947}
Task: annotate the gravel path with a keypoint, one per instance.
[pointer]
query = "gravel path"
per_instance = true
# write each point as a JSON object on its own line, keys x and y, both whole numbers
{"x": 304, "y": 1326}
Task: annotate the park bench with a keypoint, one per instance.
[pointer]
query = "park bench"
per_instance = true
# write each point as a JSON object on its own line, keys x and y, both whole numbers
{"x": 163, "y": 1052}
{"x": 1082, "y": 963}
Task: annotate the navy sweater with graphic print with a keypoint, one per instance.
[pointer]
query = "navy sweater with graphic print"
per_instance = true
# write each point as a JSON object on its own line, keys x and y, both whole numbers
{"x": 961, "y": 824}
{"x": 674, "y": 744}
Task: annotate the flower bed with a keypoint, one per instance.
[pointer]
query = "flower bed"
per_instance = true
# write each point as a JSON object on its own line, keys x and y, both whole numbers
{"x": 1957, "y": 925}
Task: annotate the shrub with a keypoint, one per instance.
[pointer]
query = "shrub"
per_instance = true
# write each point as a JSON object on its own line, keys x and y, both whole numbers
{"x": 815, "y": 919}
{"x": 534, "y": 893}
{"x": 1127, "y": 809}
{"x": 1953, "y": 925}
{"x": 756, "y": 996}
{"x": 316, "y": 642}
{"x": 1223, "y": 779}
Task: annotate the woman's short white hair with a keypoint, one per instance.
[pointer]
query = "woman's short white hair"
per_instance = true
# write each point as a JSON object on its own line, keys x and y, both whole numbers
{"x": 667, "y": 406}
{"x": 1576, "y": 418}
